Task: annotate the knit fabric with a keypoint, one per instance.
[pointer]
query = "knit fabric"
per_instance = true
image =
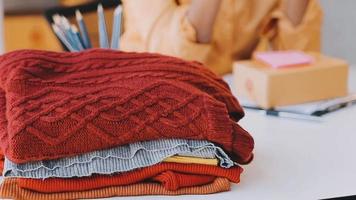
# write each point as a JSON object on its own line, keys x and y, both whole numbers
{"x": 156, "y": 172}
{"x": 118, "y": 159}
{"x": 55, "y": 105}
{"x": 169, "y": 180}
{"x": 173, "y": 180}
{"x": 9, "y": 189}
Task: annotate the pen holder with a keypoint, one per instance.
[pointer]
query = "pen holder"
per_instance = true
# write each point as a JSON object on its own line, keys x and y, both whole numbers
{"x": 90, "y": 16}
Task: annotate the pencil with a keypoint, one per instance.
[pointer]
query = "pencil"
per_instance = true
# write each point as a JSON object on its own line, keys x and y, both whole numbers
{"x": 77, "y": 37}
{"x": 68, "y": 33}
{"x": 83, "y": 29}
{"x": 116, "y": 31}
{"x": 103, "y": 36}
{"x": 58, "y": 22}
{"x": 61, "y": 36}
{"x": 57, "y": 19}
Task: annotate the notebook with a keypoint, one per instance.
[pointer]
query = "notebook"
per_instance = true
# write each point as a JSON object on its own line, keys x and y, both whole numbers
{"x": 317, "y": 108}
{"x": 280, "y": 59}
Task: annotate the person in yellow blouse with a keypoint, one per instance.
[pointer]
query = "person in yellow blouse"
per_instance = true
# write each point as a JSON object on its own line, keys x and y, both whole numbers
{"x": 217, "y": 32}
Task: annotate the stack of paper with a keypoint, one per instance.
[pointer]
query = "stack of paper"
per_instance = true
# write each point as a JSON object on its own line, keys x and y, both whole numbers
{"x": 317, "y": 108}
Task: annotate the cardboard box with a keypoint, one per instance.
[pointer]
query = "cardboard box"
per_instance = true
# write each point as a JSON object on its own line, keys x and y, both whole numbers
{"x": 325, "y": 78}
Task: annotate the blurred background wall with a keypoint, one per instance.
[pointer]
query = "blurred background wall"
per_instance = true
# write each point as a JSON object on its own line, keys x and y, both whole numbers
{"x": 26, "y": 27}
{"x": 339, "y": 35}
{"x": 339, "y": 30}
{"x": 1, "y": 25}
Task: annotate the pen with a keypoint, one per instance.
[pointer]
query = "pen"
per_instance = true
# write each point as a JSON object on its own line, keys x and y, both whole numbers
{"x": 345, "y": 102}
{"x": 116, "y": 31}
{"x": 291, "y": 115}
{"x": 103, "y": 36}
{"x": 83, "y": 29}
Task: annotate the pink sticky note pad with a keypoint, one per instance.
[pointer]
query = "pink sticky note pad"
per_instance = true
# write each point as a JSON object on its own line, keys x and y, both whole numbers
{"x": 279, "y": 59}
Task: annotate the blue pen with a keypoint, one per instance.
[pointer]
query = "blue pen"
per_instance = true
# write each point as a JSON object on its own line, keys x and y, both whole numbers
{"x": 116, "y": 31}
{"x": 103, "y": 36}
{"x": 83, "y": 30}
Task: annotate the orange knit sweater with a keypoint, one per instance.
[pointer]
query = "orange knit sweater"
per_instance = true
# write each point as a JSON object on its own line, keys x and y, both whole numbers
{"x": 9, "y": 189}
{"x": 171, "y": 180}
{"x": 193, "y": 174}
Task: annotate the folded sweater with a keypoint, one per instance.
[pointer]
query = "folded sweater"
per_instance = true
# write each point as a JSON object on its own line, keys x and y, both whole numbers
{"x": 117, "y": 159}
{"x": 51, "y": 185}
{"x": 173, "y": 181}
{"x": 9, "y": 189}
{"x": 169, "y": 180}
{"x": 55, "y": 105}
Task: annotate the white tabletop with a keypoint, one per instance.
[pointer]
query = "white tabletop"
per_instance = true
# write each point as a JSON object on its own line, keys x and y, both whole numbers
{"x": 296, "y": 159}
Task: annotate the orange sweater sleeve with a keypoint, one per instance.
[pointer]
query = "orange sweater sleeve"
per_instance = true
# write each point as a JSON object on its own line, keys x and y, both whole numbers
{"x": 282, "y": 34}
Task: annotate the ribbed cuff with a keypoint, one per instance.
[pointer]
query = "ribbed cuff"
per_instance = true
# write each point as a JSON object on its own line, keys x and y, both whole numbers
{"x": 9, "y": 189}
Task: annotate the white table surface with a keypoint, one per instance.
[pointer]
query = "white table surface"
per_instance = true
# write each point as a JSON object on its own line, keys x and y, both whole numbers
{"x": 296, "y": 159}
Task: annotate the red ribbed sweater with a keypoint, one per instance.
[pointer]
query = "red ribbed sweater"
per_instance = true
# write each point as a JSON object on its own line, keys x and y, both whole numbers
{"x": 54, "y": 105}
{"x": 158, "y": 172}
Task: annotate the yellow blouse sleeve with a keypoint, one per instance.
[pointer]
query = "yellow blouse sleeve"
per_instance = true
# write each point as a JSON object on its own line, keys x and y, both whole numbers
{"x": 167, "y": 30}
{"x": 283, "y": 35}
{"x": 174, "y": 35}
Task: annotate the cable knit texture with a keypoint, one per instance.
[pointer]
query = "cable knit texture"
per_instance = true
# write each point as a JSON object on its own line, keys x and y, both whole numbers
{"x": 55, "y": 105}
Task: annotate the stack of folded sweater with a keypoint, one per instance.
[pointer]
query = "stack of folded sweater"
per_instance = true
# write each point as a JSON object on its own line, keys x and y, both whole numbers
{"x": 102, "y": 123}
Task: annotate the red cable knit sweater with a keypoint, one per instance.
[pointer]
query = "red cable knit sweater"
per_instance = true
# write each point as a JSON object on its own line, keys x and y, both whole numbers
{"x": 54, "y": 105}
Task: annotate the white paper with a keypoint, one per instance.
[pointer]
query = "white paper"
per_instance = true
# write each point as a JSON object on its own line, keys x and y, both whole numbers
{"x": 310, "y": 108}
